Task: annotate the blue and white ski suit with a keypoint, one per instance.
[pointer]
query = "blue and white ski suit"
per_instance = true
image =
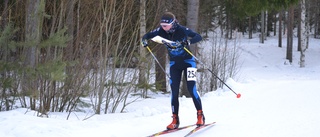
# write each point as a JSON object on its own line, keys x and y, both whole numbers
{"x": 180, "y": 61}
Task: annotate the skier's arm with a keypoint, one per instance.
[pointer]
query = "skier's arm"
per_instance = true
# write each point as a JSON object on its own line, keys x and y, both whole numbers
{"x": 195, "y": 37}
{"x": 148, "y": 36}
{"x": 151, "y": 34}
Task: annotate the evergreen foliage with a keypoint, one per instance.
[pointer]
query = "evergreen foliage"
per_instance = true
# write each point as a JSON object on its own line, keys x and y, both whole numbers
{"x": 81, "y": 45}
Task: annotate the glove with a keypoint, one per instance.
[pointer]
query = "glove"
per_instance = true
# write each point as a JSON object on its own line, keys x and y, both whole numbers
{"x": 171, "y": 45}
{"x": 144, "y": 42}
{"x": 185, "y": 43}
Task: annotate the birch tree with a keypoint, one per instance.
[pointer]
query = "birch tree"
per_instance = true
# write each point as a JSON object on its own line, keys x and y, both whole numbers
{"x": 192, "y": 23}
{"x": 142, "y": 51}
{"x": 303, "y": 33}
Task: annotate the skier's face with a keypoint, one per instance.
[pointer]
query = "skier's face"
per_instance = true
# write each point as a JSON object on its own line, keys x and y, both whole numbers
{"x": 166, "y": 27}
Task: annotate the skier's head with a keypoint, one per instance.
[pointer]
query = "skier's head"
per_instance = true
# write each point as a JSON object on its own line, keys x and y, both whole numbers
{"x": 168, "y": 22}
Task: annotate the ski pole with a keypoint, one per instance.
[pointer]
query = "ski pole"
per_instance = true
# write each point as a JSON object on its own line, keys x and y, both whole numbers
{"x": 238, "y": 94}
{"x": 155, "y": 58}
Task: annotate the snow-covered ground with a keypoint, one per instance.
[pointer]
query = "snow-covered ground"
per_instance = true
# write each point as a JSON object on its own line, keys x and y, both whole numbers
{"x": 278, "y": 100}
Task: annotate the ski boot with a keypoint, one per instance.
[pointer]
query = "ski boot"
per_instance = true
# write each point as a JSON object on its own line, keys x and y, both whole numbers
{"x": 200, "y": 117}
{"x": 175, "y": 122}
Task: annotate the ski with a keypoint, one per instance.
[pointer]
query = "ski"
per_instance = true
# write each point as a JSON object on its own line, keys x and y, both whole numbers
{"x": 170, "y": 130}
{"x": 198, "y": 128}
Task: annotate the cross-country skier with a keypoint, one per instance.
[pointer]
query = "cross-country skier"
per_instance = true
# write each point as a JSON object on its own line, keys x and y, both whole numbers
{"x": 180, "y": 61}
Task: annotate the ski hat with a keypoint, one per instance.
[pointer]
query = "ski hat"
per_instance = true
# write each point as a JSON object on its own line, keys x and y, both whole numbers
{"x": 167, "y": 18}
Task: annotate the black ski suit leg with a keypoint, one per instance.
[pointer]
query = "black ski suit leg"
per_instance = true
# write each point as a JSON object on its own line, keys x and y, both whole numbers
{"x": 192, "y": 88}
{"x": 175, "y": 79}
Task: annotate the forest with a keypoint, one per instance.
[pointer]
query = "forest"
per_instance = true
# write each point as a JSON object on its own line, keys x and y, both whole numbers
{"x": 63, "y": 55}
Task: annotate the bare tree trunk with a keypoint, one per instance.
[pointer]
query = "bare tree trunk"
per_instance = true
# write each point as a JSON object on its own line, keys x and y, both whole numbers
{"x": 34, "y": 18}
{"x": 274, "y": 24}
{"x": 70, "y": 28}
{"x": 4, "y": 16}
{"x": 69, "y": 50}
{"x": 290, "y": 33}
{"x": 303, "y": 34}
{"x": 266, "y": 25}
{"x": 250, "y": 27}
{"x": 5, "y": 97}
{"x": 299, "y": 28}
{"x": 262, "y": 27}
{"x": 280, "y": 29}
{"x": 142, "y": 51}
{"x": 316, "y": 19}
{"x": 192, "y": 14}
{"x": 308, "y": 17}
{"x": 192, "y": 23}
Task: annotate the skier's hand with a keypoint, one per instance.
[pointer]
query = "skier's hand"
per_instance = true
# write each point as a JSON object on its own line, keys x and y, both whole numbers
{"x": 185, "y": 43}
{"x": 173, "y": 45}
{"x": 144, "y": 42}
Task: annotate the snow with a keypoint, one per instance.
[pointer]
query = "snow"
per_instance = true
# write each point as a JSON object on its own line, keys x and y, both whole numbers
{"x": 278, "y": 99}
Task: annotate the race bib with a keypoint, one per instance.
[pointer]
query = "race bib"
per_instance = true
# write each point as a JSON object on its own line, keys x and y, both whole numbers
{"x": 191, "y": 74}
